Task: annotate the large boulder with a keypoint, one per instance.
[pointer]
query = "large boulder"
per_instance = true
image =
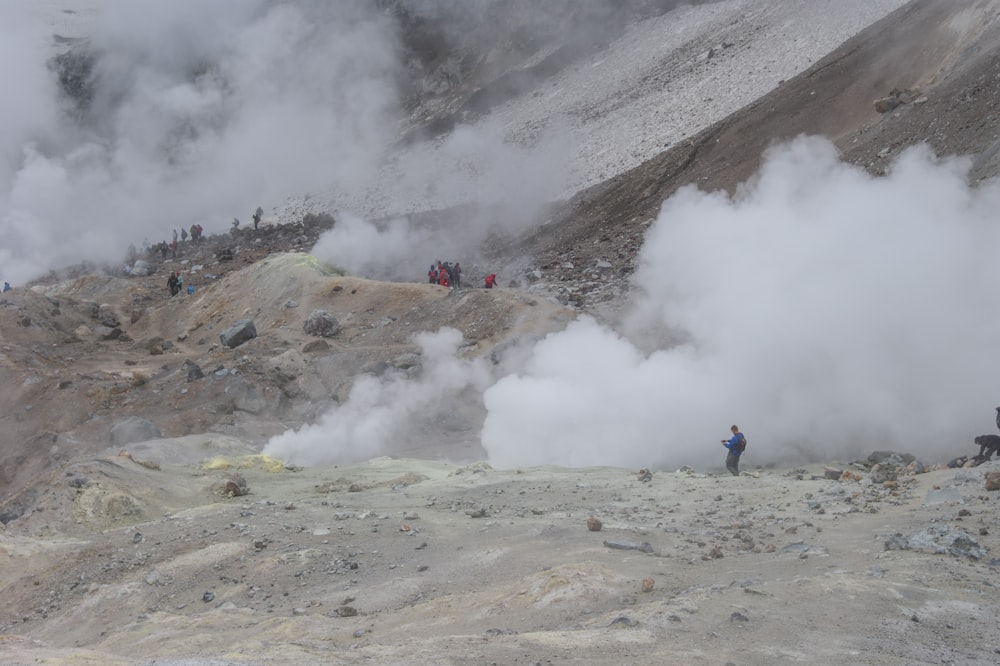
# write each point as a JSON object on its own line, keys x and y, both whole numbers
{"x": 238, "y": 333}
{"x": 321, "y": 323}
{"x": 142, "y": 268}
{"x": 133, "y": 429}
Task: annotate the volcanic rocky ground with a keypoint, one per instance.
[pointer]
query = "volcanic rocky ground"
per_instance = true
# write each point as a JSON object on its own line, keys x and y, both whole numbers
{"x": 142, "y": 526}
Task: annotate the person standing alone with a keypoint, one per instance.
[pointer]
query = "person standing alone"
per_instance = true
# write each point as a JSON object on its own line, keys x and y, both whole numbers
{"x": 736, "y": 445}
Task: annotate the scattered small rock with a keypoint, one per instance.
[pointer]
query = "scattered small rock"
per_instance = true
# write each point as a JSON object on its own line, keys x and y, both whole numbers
{"x": 236, "y": 486}
{"x": 643, "y": 547}
{"x": 594, "y": 525}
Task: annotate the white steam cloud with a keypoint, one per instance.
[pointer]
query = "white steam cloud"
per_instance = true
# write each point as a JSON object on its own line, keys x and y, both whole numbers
{"x": 500, "y": 186}
{"x": 826, "y": 312}
{"x": 198, "y": 111}
{"x": 380, "y": 414}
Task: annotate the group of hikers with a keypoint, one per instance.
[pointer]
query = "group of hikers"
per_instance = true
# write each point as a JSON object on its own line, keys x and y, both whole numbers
{"x": 175, "y": 283}
{"x": 257, "y": 216}
{"x": 163, "y": 248}
{"x": 447, "y": 274}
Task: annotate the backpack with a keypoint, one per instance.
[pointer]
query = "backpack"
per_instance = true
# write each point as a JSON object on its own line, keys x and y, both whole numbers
{"x": 741, "y": 446}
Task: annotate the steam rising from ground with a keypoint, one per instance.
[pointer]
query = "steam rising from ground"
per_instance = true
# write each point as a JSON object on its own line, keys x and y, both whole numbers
{"x": 199, "y": 111}
{"x": 381, "y": 414}
{"x": 826, "y": 312}
{"x": 502, "y": 186}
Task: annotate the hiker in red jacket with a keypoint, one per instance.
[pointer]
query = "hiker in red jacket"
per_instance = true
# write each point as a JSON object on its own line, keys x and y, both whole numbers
{"x": 491, "y": 280}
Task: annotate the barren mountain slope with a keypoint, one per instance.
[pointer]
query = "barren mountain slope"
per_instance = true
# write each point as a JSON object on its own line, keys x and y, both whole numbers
{"x": 84, "y": 355}
{"x": 947, "y": 51}
{"x": 188, "y": 548}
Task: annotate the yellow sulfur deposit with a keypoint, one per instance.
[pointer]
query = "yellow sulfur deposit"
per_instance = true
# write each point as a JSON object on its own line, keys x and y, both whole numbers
{"x": 256, "y": 461}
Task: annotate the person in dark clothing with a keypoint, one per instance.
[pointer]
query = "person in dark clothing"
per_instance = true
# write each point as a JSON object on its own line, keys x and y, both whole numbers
{"x": 988, "y": 445}
{"x": 259, "y": 213}
{"x": 456, "y": 278}
{"x": 432, "y": 274}
{"x": 998, "y": 417}
{"x": 172, "y": 284}
{"x": 735, "y": 444}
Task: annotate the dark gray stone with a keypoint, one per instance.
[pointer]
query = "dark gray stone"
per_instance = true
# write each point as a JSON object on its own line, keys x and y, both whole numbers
{"x": 643, "y": 547}
{"x": 193, "y": 370}
{"x": 238, "y": 333}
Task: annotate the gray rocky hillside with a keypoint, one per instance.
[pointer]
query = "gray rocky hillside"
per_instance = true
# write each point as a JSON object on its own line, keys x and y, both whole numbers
{"x": 140, "y": 524}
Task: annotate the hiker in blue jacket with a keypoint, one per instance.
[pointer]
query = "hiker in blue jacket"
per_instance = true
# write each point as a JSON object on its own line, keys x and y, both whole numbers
{"x": 735, "y": 444}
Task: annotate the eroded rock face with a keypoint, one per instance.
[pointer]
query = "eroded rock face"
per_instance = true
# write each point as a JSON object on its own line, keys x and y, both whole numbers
{"x": 238, "y": 333}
